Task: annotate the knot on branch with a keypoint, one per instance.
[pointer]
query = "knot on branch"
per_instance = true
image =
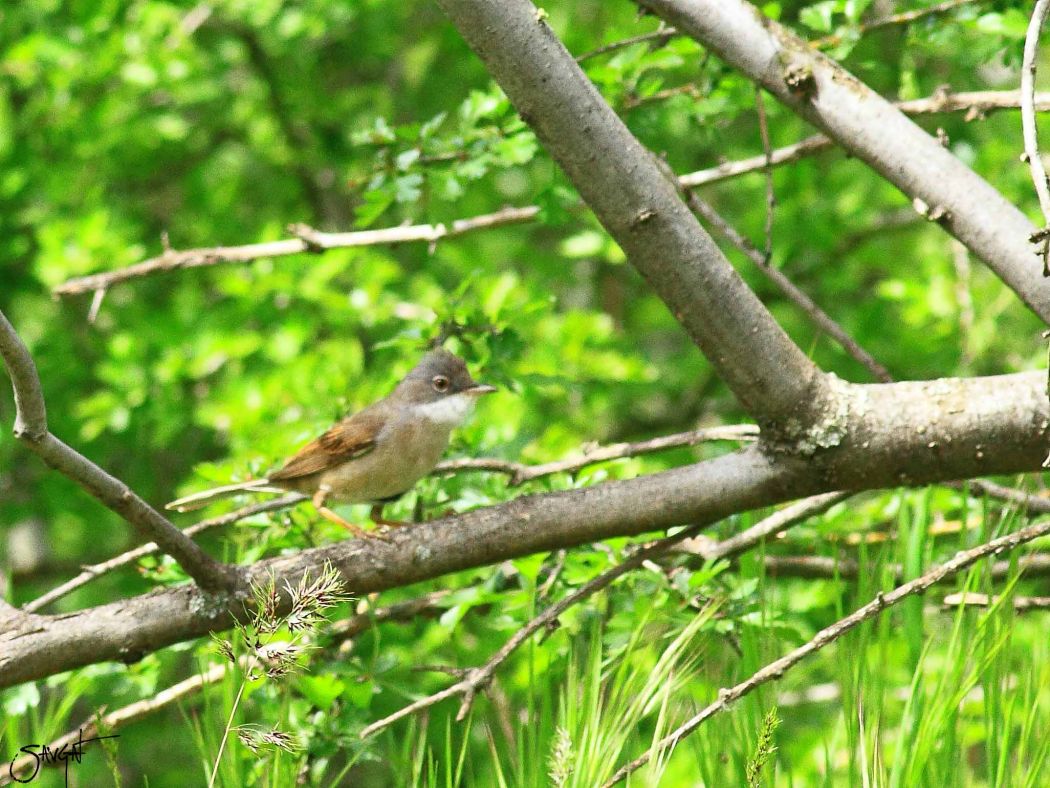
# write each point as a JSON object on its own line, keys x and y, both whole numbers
{"x": 27, "y": 432}
{"x": 309, "y": 236}
{"x": 800, "y": 80}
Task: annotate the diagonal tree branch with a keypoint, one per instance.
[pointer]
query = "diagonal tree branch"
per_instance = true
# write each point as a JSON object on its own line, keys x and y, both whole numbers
{"x": 637, "y": 201}
{"x": 775, "y": 670}
{"x": 870, "y": 128}
{"x": 31, "y": 429}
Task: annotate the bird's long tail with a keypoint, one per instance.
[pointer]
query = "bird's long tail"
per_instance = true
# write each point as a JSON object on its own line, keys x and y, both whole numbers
{"x": 202, "y": 499}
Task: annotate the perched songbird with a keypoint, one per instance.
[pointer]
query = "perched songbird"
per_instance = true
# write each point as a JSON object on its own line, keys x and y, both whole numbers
{"x": 379, "y": 453}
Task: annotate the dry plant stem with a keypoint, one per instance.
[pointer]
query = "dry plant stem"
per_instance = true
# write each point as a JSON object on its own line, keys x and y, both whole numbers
{"x": 97, "y": 570}
{"x": 306, "y": 240}
{"x": 830, "y": 634}
{"x": 31, "y": 429}
{"x": 133, "y": 712}
{"x": 869, "y": 127}
{"x": 1028, "y": 127}
{"x": 817, "y": 315}
{"x": 637, "y": 201}
{"x": 520, "y": 472}
{"x": 476, "y": 679}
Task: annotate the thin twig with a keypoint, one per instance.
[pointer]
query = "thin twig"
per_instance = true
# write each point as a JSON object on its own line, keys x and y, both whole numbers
{"x": 97, "y": 570}
{"x": 881, "y": 602}
{"x": 520, "y": 472}
{"x": 732, "y": 169}
{"x": 767, "y": 150}
{"x": 903, "y": 18}
{"x": 820, "y": 318}
{"x": 31, "y": 429}
{"x": 548, "y": 584}
{"x": 1020, "y": 603}
{"x": 661, "y": 36}
{"x": 306, "y": 240}
{"x": 1028, "y": 127}
{"x": 408, "y": 610}
{"x": 477, "y": 679}
{"x": 780, "y": 520}
{"x": 975, "y": 104}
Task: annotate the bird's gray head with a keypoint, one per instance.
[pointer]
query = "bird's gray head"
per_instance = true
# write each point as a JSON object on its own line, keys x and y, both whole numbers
{"x": 441, "y": 388}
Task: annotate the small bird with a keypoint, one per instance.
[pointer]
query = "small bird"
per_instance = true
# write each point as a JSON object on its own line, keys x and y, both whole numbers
{"x": 379, "y": 453}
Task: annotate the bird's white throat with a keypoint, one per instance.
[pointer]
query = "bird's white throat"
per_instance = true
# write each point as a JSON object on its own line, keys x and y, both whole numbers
{"x": 450, "y": 411}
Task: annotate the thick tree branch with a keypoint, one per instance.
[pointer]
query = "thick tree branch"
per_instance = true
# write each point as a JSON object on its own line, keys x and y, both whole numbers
{"x": 870, "y": 128}
{"x": 830, "y": 634}
{"x": 875, "y": 436}
{"x": 638, "y": 202}
{"x": 31, "y": 429}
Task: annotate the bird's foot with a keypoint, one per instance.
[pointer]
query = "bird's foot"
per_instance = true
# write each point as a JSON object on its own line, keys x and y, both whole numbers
{"x": 356, "y": 530}
{"x": 378, "y": 519}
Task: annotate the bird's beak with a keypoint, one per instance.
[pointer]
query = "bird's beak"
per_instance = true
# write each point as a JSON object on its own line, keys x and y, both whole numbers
{"x": 480, "y": 388}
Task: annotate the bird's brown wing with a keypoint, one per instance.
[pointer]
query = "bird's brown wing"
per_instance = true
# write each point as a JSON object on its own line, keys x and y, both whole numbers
{"x": 346, "y": 441}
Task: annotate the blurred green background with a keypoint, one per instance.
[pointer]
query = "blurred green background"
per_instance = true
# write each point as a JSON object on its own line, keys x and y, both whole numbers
{"x": 221, "y": 123}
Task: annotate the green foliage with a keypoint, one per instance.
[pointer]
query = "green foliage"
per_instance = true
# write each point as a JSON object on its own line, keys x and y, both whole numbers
{"x": 222, "y": 123}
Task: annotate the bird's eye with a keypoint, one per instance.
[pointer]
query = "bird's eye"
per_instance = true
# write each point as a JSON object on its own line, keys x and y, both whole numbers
{"x": 440, "y": 383}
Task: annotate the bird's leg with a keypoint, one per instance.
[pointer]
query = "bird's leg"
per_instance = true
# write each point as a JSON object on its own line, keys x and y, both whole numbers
{"x": 378, "y": 519}
{"x": 318, "y": 502}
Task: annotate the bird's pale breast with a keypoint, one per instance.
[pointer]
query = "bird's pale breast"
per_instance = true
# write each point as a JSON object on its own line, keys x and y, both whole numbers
{"x": 406, "y": 450}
